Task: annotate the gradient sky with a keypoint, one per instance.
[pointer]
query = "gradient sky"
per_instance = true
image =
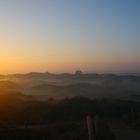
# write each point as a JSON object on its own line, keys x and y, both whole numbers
{"x": 66, "y": 35}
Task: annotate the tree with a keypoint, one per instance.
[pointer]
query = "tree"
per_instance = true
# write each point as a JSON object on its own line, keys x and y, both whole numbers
{"x": 78, "y": 72}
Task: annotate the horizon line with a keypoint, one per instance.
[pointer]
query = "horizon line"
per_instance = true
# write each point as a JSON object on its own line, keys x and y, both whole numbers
{"x": 59, "y": 73}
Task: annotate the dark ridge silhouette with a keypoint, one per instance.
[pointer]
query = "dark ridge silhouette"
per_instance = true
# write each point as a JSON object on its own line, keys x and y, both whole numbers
{"x": 78, "y": 72}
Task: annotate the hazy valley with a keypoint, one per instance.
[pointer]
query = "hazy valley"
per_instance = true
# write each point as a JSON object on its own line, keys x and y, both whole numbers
{"x": 44, "y": 86}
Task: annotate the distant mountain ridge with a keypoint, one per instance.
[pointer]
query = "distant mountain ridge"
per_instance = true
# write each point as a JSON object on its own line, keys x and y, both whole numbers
{"x": 74, "y": 75}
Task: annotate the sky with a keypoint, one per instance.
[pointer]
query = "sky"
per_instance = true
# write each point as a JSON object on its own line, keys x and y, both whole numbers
{"x": 68, "y": 35}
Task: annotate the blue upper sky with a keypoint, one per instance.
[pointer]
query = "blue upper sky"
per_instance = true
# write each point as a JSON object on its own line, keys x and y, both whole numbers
{"x": 64, "y": 35}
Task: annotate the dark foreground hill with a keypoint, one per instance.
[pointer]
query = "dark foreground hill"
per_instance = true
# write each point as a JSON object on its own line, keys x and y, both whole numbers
{"x": 23, "y": 117}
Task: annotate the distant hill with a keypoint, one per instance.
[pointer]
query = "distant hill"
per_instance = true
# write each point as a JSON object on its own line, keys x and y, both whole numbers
{"x": 74, "y": 76}
{"x": 13, "y": 95}
{"x": 8, "y": 85}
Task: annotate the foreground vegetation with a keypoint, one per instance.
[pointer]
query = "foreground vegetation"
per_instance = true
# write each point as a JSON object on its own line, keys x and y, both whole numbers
{"x": 23, "y": 117}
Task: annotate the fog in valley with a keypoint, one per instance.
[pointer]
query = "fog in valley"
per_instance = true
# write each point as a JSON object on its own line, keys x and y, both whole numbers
{"x": 44, "y": 86}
